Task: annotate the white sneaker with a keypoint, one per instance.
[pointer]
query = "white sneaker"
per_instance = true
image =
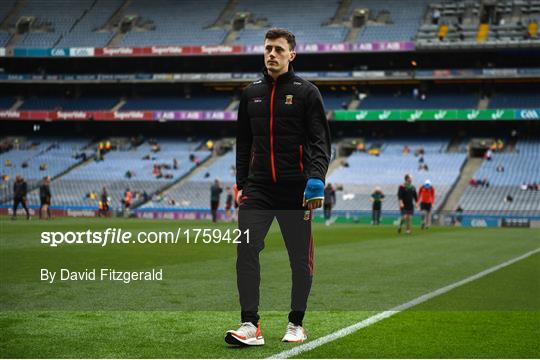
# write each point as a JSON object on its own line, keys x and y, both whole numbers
{"x": 294, "y": 333}
{"x": 247, "y": 334}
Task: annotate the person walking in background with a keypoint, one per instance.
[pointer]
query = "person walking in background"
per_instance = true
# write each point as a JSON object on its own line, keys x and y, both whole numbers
{"x": 426, "y": 197}
{"x": 128, "y": 197}
{"x": 20, "y": 189}
{"x": 215, "y": 193}
{"x": 407, "y": 198}
{"x": 45, "y": 197}
{"x": 104, "y": 203}
{"x": 329, "y": 202}
{"x": 228, "y": 203}
{"x": 377, "y": 198}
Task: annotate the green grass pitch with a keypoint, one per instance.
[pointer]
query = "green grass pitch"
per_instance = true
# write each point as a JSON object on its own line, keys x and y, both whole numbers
{"x": 359, "y": 271}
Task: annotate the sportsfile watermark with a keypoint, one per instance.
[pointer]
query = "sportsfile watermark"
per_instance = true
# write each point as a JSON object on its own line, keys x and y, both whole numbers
{"x": 111, "y": 236}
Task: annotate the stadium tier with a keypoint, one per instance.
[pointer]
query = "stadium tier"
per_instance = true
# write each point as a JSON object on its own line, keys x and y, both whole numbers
{"x": 432, "y": 100}
{"x": 135, "y": 23}
{"x": 333, "y": 100}
{"x": 61, "y": 103}
{"x": 147, "y": 172}
{"x": 210, "y": 102}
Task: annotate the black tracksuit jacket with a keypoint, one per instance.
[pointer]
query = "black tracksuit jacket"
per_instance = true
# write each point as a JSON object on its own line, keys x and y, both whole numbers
{"x": 283, "y": 134}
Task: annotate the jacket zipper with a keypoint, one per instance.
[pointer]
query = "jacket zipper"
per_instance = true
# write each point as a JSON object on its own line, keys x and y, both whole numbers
{"x": 274, "y": 178}
{"x": 301, "y": 158}
{"x": 252, "y": 159}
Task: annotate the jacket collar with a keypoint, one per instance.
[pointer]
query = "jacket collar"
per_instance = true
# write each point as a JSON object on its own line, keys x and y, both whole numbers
{"x": 283, "y": 77}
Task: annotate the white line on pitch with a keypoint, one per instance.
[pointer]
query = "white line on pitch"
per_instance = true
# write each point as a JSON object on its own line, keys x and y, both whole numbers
{"x": 386, "y": 314}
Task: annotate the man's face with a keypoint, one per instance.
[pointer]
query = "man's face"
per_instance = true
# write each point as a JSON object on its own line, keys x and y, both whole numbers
{"x": 408, "y": 180}
{"x": 277, "y": 55}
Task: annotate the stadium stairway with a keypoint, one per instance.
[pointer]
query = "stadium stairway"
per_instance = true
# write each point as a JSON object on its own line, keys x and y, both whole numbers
{"x": 335, "y": 164}
{"x": 226, "y": 15}
{"x": 469, "y": 168}
{"x": 342, "y": 13}
{"x": 13, "y": 14}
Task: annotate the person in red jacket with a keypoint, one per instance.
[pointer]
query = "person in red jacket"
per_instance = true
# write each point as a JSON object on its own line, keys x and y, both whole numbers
{"x": 426, "y": 196}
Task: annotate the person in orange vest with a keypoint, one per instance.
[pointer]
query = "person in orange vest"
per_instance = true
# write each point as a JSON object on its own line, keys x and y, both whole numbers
{"x": 128, "y": 196}
{"x": 426, "y": 196}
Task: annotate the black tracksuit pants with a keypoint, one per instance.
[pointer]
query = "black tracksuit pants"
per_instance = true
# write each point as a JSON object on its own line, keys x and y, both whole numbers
{"x": 20, "y": 200}
{"x": 262, "y": 203}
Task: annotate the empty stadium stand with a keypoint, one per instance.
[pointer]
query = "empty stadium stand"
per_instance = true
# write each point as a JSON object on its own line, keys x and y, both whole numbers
{"x": 73, "y": 189}
{"x": 101, "y": 23}
{"x": 54, "y": 156}
{"x": 382, "y": 99}
{"x": 363, "y": 172}
{"x": 520, "y": 167}
{"x": 403, "y": 20}
{"x": 195, "y": 193}
{"x": 60, "y": 103}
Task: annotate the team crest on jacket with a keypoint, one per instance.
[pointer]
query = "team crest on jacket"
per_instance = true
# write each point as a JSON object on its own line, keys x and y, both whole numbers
{"x": 288, "y": 99}
{"x": 307, "y": 215}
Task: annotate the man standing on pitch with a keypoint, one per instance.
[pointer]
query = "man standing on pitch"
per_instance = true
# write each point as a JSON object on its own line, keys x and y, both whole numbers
{"x": 45, "y": 197}
{"x": 407, "y": 201}
{"x": 20, "y": 189}
{"x": 282, "y": 155}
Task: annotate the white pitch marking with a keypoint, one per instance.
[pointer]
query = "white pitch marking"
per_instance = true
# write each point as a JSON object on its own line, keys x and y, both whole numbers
{"x": 386, "y": 314}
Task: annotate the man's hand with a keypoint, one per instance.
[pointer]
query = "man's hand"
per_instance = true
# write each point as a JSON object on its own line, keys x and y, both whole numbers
{"x": 313, "y": 194}
{"x": 313, "y": 204}
{"x": 240, "y": 197}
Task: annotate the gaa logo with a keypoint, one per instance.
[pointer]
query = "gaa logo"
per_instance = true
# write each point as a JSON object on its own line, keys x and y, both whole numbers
{"x": 529, "y": 114}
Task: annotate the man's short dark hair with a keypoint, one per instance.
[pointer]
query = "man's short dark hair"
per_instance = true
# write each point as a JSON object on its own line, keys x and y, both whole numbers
{"x": 276, "y": 33}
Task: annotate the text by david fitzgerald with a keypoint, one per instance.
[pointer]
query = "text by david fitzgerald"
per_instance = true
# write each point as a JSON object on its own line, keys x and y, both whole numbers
{"x": 101, "y": 275}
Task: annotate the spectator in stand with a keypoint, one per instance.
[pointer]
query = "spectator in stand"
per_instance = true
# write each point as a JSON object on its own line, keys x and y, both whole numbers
{"x": 426, "y": 196}
{"x": 488, "y": 155}
{"x": 377, "y": 198}
{"x": 435, "y": 16}
{"x": 215, "y": 193}
{"x": 500, "y": 168}
{"x": 406, "y": 150}
{"x": 329, "y": 202}
{"x": 175, "y": 164}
